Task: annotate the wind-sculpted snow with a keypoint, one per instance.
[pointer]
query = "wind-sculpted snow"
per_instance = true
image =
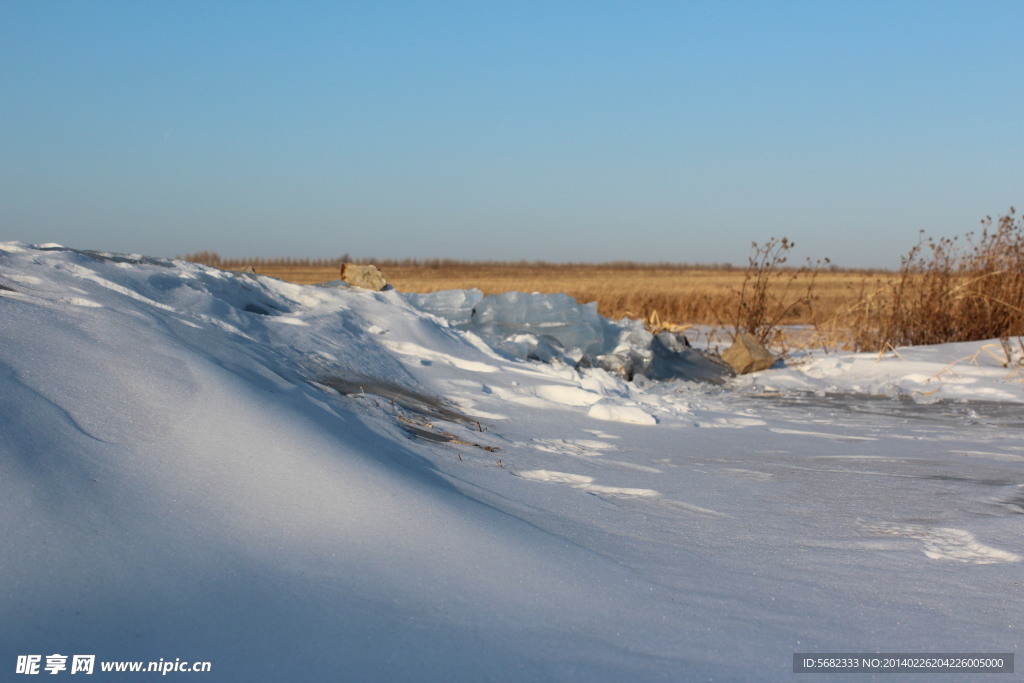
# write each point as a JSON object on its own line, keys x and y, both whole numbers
{"x": 554, "y": 327}
{"x": 326, "y": 483}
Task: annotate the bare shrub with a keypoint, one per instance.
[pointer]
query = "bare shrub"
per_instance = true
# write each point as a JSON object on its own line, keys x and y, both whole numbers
{"x": 947, "y": 291}
{"x": 767, "y": 298}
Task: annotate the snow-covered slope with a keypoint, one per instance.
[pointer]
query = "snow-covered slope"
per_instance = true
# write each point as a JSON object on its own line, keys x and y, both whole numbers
{"x": 310, "y": 483}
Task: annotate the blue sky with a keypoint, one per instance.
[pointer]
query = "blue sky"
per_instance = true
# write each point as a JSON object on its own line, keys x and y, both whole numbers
{"x": 556, "y": 130}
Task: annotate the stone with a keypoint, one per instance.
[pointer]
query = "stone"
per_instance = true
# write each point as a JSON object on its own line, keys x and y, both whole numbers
{"x": 365, "y": 277}
{"x": 672, "y": 357}
{"x": 748, "y": 355}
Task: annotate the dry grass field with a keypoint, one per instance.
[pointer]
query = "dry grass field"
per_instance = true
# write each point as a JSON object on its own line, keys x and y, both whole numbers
{"x": 661, "y": 294}
{"x": 947, "y": 289}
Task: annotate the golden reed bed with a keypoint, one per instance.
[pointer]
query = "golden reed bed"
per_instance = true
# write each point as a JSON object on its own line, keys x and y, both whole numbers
{"x": 945, "y": 290}
{"x": 661, "y": 294}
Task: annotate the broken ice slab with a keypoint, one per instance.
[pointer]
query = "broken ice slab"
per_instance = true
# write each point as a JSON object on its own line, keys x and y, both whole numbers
{"x": 548, "y": 327}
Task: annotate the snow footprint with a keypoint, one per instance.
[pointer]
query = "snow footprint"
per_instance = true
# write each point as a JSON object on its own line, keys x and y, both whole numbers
{"x": 944, "y": 543}
{"x": 585, "y": 483}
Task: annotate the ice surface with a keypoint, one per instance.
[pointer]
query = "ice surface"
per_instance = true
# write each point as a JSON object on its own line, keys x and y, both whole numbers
{"x": 340, "y": 486}
{"x": 454, "y": 305}
{"x": 520, "y": 323}
{"x": 550, "y": 327}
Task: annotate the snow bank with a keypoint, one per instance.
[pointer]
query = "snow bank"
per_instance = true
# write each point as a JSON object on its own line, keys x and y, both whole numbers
{"x": 554, "y": 326}
{"x": 315, "y": 483}
{"x": 175, "y": 483}
{"x": 972, "y": 371}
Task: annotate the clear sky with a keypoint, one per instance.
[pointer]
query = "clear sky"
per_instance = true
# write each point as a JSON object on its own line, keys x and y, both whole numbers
{"x": 558, "y": 130}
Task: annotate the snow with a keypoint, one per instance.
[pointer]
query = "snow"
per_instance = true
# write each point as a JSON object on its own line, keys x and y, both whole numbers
{"x": 551, "y": 327}
{"x": 616, "y": 412}
{"x": 309, "y": 483}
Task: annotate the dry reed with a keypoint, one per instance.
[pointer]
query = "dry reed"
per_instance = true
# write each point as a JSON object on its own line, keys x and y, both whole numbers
{"x": 947, "y": 291}
{"x": 663, "y": 295}
{"x": 942, "y": 292}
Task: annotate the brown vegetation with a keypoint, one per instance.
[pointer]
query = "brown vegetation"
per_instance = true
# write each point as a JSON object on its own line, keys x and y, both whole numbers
{"x": 943, "y": 291}
{"x": 948, "y": 290}
{"x": 661, "y": 294}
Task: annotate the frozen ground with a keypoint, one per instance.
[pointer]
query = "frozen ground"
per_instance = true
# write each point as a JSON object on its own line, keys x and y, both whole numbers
{"x": 312, "y": 483}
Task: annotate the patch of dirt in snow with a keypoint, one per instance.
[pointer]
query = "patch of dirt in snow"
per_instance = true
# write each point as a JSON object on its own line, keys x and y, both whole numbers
{"x": 410, "y": 399}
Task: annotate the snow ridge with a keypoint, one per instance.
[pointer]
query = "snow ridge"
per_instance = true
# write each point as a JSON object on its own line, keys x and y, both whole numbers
{"x": 314, "y": 482}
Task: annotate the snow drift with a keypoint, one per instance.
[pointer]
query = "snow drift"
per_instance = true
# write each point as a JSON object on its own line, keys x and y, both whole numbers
{"x": 321, "y": 482}
{"x": 550, "y": 327}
